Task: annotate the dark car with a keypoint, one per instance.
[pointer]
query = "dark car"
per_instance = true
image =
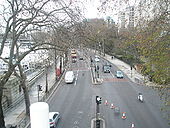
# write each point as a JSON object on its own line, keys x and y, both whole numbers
{"x": 106, "y": 68}
{"x": 81, "y": 58}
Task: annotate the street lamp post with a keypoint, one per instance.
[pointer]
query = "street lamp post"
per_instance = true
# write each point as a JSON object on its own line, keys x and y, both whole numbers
{"x": 103, "y": 49}
{"x": 61, "y": 66}
{"x": 97, "y": 71}
{"x": 95, "y": 47}
{"x": 46, "y": 76}
{"x": 100, "y": 48}
{"x": 55, "y": 63}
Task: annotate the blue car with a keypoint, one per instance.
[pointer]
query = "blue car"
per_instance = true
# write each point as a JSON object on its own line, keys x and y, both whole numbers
{"x": 119, "y": 74}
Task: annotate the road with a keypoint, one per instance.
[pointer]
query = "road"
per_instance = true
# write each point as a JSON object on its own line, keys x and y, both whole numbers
{"x": 76, "y": 102}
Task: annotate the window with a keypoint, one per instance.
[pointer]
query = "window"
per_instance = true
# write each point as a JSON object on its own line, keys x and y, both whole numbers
{"x": 55, "y": 115}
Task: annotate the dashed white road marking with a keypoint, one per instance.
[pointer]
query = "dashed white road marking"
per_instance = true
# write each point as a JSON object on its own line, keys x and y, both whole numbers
{"x": 112, "y": 74}
{"x": 76, "y": 122}
{"x": 80, "y": 112}
{"x": 76, "y": 78}
{"x": 75, "y": 127}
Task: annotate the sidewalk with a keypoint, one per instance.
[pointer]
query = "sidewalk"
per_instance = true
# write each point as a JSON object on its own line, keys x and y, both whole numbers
{"x": 15, "y": 115}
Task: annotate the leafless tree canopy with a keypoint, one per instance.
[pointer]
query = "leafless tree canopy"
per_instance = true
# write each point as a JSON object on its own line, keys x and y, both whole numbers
{"x": 45, "y": 21}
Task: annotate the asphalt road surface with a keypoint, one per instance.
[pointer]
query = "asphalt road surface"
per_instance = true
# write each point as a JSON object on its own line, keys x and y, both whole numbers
{"x": 77, "y": 104}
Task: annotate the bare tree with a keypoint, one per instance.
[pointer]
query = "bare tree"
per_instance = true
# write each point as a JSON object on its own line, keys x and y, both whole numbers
{"x": 21, "y": 17}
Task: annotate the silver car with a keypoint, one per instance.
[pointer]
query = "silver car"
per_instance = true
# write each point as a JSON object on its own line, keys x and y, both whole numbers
{"x": 53, "y": 119}
{"x": 119, "y": 74}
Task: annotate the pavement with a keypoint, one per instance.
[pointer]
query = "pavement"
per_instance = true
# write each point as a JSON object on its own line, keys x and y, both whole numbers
{"x": 15, "y": 114}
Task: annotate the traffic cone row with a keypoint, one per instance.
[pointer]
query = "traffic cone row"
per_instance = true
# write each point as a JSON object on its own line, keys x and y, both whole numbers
{"x": 111, "y": 105}
{"x": 123, "y": 113}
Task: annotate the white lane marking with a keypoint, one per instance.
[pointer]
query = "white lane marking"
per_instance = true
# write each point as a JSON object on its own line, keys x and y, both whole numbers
{"x": 80, "y": 112}
{"x": 76, "y": 78}
{"x": 112, "y": 74}
{"x": 76, "y": 122}
{"x": 75, "y": 127}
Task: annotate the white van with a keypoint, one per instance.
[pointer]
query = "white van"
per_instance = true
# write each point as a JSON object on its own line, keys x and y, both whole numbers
{"x": 69, "y": 77}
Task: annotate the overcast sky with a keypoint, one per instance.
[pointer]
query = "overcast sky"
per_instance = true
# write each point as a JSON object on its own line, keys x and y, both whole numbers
{"x": 91, "y": 8}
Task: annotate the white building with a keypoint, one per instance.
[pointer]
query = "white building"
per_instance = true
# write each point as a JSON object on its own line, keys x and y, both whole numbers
{"x": 126, "y": 19}
{"x": 30, "y": 62}
{"x": 130, "y": 16}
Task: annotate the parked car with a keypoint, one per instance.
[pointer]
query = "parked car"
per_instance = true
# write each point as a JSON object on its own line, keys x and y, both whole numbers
{"x": 69, "y": 77}
{"x": 53, "y": 119}
{"x": 119, "y": 74}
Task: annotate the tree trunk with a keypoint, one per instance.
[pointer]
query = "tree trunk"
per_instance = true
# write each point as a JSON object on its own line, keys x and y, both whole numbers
{"x": 26, "y": 97}
{"x": 46, "y": 80}
{"x": 3, "y": 81}
{"x": 25, "y": 89}
{"x": 2, "y": 122}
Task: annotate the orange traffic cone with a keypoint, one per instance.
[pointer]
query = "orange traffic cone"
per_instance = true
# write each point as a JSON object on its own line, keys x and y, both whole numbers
{"x": 123, "y": 115}
{"x": 106, "y": 103}
{"x": 112, "y": 106}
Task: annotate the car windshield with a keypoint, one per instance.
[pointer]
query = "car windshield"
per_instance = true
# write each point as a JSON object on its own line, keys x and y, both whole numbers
{"x": 106, "y": 67}
{"x": 119, "y": 72}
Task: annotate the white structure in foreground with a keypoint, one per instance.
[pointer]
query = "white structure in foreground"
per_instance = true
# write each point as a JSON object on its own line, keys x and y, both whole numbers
{"x": 39, "y": 115}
